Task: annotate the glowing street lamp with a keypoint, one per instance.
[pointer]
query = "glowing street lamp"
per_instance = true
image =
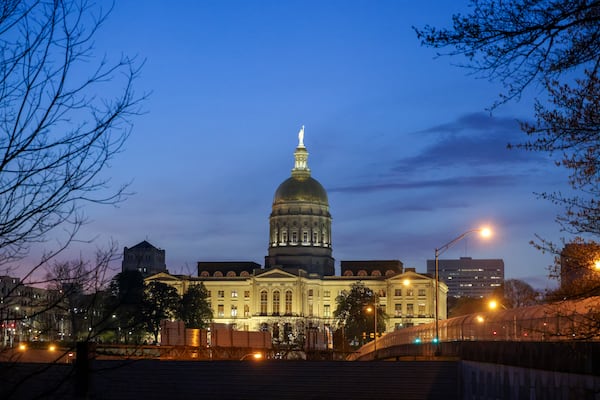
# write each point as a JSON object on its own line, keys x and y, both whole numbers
{"x": 484, "y": 232}
{"x": 373, "y": 309}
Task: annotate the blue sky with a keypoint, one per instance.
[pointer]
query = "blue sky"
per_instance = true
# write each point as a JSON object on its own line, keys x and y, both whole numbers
{"x": 401, "y": 140}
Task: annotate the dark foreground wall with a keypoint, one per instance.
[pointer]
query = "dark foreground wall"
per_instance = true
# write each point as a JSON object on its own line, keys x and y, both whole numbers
{"x": 151, "y": 379}
{"x": 482, "y": 381}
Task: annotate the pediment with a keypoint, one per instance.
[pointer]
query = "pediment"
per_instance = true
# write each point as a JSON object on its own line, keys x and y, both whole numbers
{"x": 163, "y": 277}
{"x": 276, "y": 273}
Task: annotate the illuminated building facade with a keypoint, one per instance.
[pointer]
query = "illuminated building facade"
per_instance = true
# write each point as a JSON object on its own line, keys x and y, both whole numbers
{"x": 297, "y": 288}
{"x": 468, "y": 277}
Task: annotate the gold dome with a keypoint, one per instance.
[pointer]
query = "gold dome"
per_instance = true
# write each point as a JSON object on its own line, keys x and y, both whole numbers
{"x": 305, "y": 189}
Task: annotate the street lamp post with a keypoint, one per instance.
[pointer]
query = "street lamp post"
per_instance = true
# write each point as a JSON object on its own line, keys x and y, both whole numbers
{"x": 485, "y": 232}
{"x": 374, "y": 329}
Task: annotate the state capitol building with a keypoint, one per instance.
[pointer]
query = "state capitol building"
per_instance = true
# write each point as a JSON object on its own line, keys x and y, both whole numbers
{"x": 297, "y": 287}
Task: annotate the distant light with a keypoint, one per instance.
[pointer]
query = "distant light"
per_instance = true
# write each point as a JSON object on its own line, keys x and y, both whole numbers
{"x": 52, "y": 347}
{"x": 480, "y": 319}
{"x": 406, "y": 282}
{"x": 486, "y": 232}
{"x": 597, "y": 265}
{"x": 493, "y": 304}
{"x": 257, "y": 356}
{"x": 418, "y": 340}
{"x": 22, "y": 347}
{"x": 435, "y": 340}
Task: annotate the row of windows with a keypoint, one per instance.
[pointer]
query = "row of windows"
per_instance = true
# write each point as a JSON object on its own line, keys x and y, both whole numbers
{"x": 410, "y": 310}
{"x": 327, "y": 293}
{"x": 219, "y": 274}
{"x": 293, "y": 239}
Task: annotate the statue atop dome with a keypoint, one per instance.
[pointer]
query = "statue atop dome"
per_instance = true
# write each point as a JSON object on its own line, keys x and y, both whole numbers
{"x": 301, "y": 137}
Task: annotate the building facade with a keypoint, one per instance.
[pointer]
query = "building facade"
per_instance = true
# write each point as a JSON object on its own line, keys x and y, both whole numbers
{"x": 468, "y": 277}
{"x": 297, "y": 287}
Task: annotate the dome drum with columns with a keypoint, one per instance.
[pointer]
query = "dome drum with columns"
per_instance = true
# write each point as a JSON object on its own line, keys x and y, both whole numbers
{"x": 300, "y": 222}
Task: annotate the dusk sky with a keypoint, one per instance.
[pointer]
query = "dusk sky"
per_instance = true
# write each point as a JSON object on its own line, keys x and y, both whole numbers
{"x": 401, "y": 140}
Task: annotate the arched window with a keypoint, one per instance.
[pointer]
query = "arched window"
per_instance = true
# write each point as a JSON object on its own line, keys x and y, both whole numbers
{"x": 204, "y": 273}
{"x": 348, "y": 273}
{"x": 218, "y": 274}
{"x": 362, "y": 272}
{"x": 244, "y": 273}
{"x": 230, "y": 274}
{"x": 389, "y": 272}
{"x": 376, "y": 272}
{"x": 288, "y": 302}
{"x": 263, "y": 302}
{"x": 276, "y": 299}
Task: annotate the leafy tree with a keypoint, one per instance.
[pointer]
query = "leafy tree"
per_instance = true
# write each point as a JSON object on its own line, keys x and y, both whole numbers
{"x": 555, "y": 44}
{"x": 161, "y": 302}
{"x": 194, "y": 309}
{"x": 58, "y": 128}
{"x": 124, "y": 308}
{"x": 519, "y": 294}
{"x": 351, "y": 312}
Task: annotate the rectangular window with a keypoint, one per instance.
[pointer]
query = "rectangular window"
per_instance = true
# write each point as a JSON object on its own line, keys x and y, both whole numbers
{"x": 410, "y": 309}
{"x": 397, "y": 292}
{"x": 310, "y": 309}
{"x": 421, "y": 310}
{"x": 410, "y": 292}
{"x": 234, "y": 311}
{"x": 263, "y": 303}
{"x": 234, "y": 294}
{"x": 310, "y": 292}
{"x": 221, "y": 294}
{"x": 294, "y": 237}
{"x": 220, "y": 310}
{"x": 305, "y": 237}
{"x": 246, "y": 310}
{"x": 246, "y": 294}
{"x": 209, "y": 293}
{"x": 398, "y": 310}
{"x": 327, "y": 311}
{"x": 288, "y": 302}
{"x": 315, "y": 237}
{"x": 421, "y": 292}
{"x": 326, "y": 293}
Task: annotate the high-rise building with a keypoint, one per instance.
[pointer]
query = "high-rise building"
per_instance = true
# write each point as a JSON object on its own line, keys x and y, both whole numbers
{"x": 468, "y": 277}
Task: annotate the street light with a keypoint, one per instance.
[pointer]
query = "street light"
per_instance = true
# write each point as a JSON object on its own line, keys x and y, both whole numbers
{"x": 374, "y": 310}
{"x": 484, "y": 232}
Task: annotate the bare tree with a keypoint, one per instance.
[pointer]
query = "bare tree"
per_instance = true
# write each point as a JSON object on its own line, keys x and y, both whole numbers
{"x": 519, "y": 294}
{"x": 57, "y": 134}
{"x": 555, "y": 45}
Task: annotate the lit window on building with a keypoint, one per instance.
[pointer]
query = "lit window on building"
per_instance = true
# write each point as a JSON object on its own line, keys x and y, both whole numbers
{"x": 276, "y": 300}
{"x": 246, "y": 310}
{"x": 421, "y": 310}
{"x": 263, "y": 302}
{"x": 398, "y": 310}
{"x": 234, "y": 294}
{"x": 221, "y": 294}
{"x": 410, "y": 309}
{"x": 410, "y": 292}
{"x": 234, "y": 311}
{"x": 288, "y": 302}
{"x": 220, "y": 310}
{"x": 327, "y": 311}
